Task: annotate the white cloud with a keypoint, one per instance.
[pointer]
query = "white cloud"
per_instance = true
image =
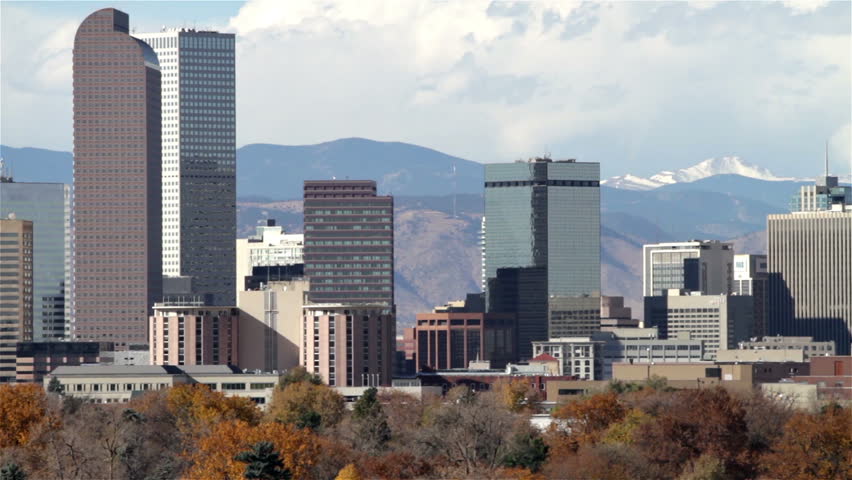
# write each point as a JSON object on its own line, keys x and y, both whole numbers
{"x": 804, "y": 6}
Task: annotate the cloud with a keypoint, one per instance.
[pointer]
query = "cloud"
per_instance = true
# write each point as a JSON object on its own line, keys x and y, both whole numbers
{"x": 804, "y": 6}
{"x": 640, "y": 86}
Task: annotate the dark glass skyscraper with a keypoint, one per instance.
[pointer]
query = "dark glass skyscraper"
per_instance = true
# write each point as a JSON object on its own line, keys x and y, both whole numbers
{"x": 117, "y": 173}
{"x": 541, "y": 215}
{"x": 348, "y": 242}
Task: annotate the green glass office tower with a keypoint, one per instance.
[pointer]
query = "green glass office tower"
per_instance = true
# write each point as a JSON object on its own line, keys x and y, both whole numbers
{"x": 542, "y": 214}
{"x": 48, "y": 206}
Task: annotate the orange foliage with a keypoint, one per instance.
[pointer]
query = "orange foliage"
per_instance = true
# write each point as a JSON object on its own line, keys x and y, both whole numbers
{"x": 197, "y": 408}
{"x": 519, "y": 474}
{"x": 814, "y": 447}
{"x": 517, "y": 395}
{"x": 214, "y": 457}
{"x": 396, "y": 466}
{"x": 585, "y": 420}
{"x": 22, "y": 408}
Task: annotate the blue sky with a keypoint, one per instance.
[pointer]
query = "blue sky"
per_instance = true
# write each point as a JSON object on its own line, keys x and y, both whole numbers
{"x": 637, "y": 86}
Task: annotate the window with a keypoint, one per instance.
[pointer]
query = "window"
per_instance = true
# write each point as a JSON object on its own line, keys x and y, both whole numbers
{"x": 233, "y": 386}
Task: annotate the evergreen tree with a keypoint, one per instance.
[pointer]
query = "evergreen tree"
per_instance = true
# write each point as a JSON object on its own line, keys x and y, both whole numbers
{"x": 54, "y": 386}
{"x": 263, "y": 463}
{"x": 370, "y": 421}
{"x": 11, "y": 471}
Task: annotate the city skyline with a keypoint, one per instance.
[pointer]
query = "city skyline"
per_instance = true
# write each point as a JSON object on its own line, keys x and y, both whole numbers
{"x": 774, "y": 102}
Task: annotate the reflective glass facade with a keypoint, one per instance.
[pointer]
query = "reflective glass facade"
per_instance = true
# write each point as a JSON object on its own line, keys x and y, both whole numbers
{"x": 48, "y": 206}
{"x": 199, "y": 159}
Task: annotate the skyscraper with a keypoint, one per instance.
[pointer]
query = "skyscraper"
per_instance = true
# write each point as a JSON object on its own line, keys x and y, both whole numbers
{"x": 348, "y": 249}
{"x": 117, "y": 181}
{"x": 48, "y": 206}
{"x": 543, "y": 220}
{"x": 16, "y": 291}
{"x": 751, "y": 278}
{"x": 199, "y": 159}
{"x": 704, "y": 266}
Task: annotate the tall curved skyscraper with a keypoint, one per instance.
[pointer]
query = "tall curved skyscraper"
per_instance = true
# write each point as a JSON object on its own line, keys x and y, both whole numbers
{"x": 117, "y": 266}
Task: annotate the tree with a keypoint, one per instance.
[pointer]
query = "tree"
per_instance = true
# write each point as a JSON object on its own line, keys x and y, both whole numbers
{"x": 813, "y": 446}
{"x": 517, "y": 395}
{"x": 297, "y": 375}
{"x": 349, "y": 472}
{"x": 585, "y": 420}
{"x": 22, "y": 409}
{"x": 11, "y": 471}
{"x": 55, "y": 386}
{"x": 527, "y": 450}
{"x": 197, "y": 408}
{"x": 263, "y": 463}
{"x": 370, "y": 422}
{"x": 299, "y": 404}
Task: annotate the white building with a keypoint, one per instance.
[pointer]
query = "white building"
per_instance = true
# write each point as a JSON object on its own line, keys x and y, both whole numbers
{"x": 704, "y": 266}
{"x": 269, "y": 247}
{"x": 199, "y": 158}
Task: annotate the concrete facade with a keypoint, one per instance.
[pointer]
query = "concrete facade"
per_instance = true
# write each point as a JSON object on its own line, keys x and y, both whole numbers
{"x": 199, "y": 159}
{"x": 118, "y": 207}
{"x": 808, "y": 346}
{"x": 16, "y": 291}
{"x": 349, "y": 345}
{"x": 721, "y": 321}
{"x": 704, "y": 266}
{"x": 271, "y": 326}
{"x": 269, "y": 247}
{"x": 194, "y": 334}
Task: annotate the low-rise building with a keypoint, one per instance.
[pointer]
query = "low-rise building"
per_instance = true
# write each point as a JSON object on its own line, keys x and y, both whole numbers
{"x": 742, "y": 376}
{"x": 831, "y": 375}
{"x": 118, "y": 384}
{"x": 352, "y": 394}
{"x": 808, "y": 346}
{"x": 34, "y": 360}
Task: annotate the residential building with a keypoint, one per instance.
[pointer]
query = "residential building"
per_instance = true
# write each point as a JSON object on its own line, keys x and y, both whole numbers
{"x": 271, "y": 325}
{"x": 453, "y": 339}
{"x": 118, "y": 384}
{"x": 592, "y": 357}
{"x": 704, "y": 266}
{"x": 269, "y": 247}
{"x": 16, "y": 291}
{"x": 543, "y": 232}
{"x": 348, "y": 242}
{"x": 34, "y": 360}
{"x": 808, "y": 346}
{"x": 349, "y": 345}
{"x": 810, "y": 278}
{"x": 193, "y": 333}
{"x": 117, "y": 228}
{"x": 751, "y": 278}
{"x": 721, "y": 321}
{"x": 199, "y": 159}
{"x": 48, "y": 206}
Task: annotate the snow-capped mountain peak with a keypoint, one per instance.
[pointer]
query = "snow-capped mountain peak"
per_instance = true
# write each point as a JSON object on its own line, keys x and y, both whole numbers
{"x": 707, "y": 168}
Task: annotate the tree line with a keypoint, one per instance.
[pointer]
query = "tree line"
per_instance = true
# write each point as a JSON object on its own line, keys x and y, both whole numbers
{"x": 646, "y": 431}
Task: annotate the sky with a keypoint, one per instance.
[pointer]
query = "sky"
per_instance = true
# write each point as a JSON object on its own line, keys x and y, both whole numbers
{"x": 638, "y": 86}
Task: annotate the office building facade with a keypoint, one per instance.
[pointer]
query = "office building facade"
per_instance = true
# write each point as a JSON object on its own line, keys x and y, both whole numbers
{"x": 349, "y": 345}
{"x": 117, "y": 265}
{"x": 348, "y": 242}
{"x": 720, "y": 321}
{"x": 543, "y": 233}
{"x": 704, "y": 266}
{"x": 810, "y": 275}
{"x": 450, "y": 340}
{"x": 34, "y": 360}
{"x": 192, "y": 333}
{"x": 16, "y": 291}
{"x": 48, "y": 206}
{"x": 751, "y": 278}
{"x": 199, "y": 159}
{"x": 269, "y": 247}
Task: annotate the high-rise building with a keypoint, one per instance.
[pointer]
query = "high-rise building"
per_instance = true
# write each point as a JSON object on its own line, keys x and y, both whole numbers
{"x": 199, "y": 159}
{"x": 269, "y": 247}
{"x": 721, "y": 321}
{"x": 48, "y": 206}
{"x": 348, "y": 242}
{"x": 191, "y": 333}
{"x": 704, "y": 266}
{"x": 825, "y": 193}
{"x": 16, "y": 291}
{"x": 117, "y": 265}
{"x": 810, "y": 275}
{"x": 543, "y": 232}
{"x": 349, "y": 345}
{"x": 751, "y": 278}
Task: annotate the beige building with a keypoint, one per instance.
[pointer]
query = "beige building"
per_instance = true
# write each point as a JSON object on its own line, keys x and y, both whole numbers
{"x": 271, "y": 326}
{"x": 743, "y": 376}
{"x": 810, "y": 275}
{"x": 118, "y": 384}
{"x": 808, "y": 346}
{"x": 349, "y": 345}
{"x": 16, "y": 291}
{"x": 269, "y": 247}
{"x": 720, "y": 321}
{"x": 751, "y": 356}
{"x": 192, "y": 333}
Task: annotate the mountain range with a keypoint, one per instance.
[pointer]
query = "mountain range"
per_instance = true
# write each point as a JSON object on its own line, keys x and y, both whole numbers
{"x": 439, "y": 206}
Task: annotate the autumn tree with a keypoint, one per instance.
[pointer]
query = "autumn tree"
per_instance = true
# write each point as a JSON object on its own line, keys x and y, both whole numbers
{"x": 584, "y": 420}
{"x": 22, "y": 409}
{"x": 349, "y": 472}
{"x": 263, "y": 463}
{"x": 370, "y": 423}
{"x": 306, "y": 404}
{"x": 298, "y": 375}
{"x": 197, "y": 408}
{"x": 517, "y": 395}
{"x": 813, "y": 446}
